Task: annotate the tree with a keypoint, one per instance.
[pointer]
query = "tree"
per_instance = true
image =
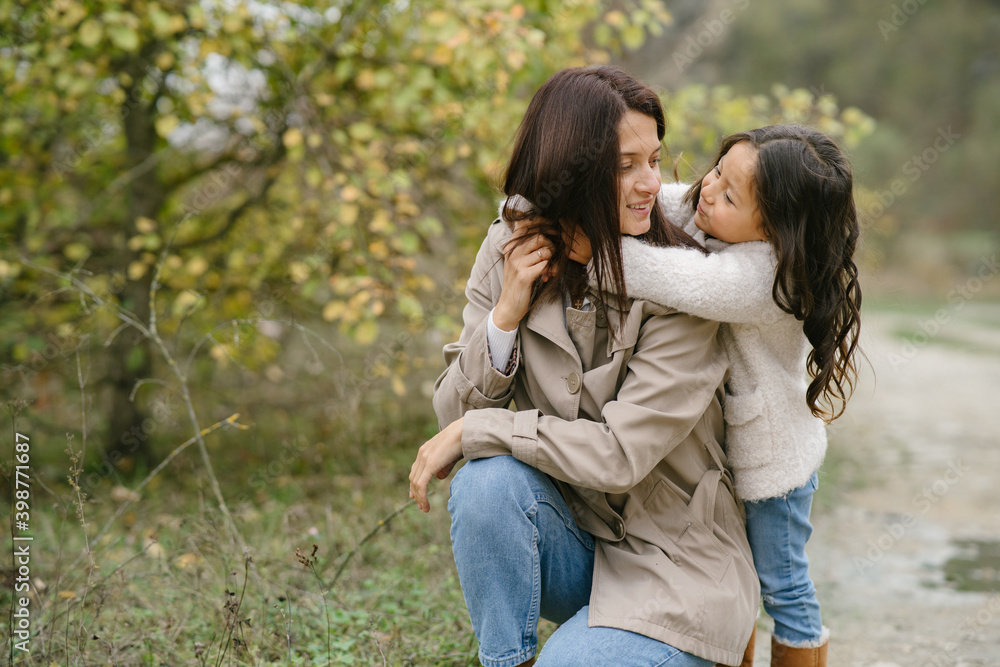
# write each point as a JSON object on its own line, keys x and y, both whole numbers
{"x": 231, "y": 151}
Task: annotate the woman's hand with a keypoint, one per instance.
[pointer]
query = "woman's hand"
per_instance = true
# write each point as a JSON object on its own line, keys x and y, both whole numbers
{"x": 436, "y": 457}
{"x": 524, "y": 263}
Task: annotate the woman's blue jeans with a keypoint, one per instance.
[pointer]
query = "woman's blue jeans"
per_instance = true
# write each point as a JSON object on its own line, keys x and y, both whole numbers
{"x": 778, "y": 529}
{"x": 521, "y": 556}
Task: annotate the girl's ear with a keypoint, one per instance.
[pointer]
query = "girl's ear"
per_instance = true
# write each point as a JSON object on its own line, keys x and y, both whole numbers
{"x": 759, "y": 219}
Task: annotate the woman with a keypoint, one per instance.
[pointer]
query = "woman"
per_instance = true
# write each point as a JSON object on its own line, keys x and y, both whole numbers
{"x": 603, "y": 502}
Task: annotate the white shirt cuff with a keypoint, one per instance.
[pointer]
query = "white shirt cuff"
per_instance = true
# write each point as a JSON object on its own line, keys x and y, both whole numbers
{"x": 501, "y": 344}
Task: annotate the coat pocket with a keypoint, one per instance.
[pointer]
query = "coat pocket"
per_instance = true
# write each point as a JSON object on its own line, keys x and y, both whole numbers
{"x": 749, "y": 442}
{"x": 681, "y": 521}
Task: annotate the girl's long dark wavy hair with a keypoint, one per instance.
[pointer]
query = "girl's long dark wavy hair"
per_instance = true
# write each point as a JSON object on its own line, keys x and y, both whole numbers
{"x": 565, "y": 161}
{"x": 804, "y": 192}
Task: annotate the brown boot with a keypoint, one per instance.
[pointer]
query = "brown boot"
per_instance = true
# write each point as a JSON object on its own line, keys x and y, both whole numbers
{"x": 748, "y": 652}
{"x": 786, "y": 656}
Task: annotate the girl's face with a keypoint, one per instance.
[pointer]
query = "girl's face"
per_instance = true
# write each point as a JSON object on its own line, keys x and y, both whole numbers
{"x": 640, "y": 171}
{"x": 727, "y": 208}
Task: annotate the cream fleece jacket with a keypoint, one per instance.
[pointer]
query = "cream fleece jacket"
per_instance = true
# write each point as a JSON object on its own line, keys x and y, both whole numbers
{"x": 773, "y": 441}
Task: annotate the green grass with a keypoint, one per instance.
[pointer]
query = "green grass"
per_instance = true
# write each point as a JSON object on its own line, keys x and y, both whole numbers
{"x": 166, "y": 571}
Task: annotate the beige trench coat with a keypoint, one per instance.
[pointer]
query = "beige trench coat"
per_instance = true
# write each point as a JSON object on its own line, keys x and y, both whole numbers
{"x": 630, "y": 430}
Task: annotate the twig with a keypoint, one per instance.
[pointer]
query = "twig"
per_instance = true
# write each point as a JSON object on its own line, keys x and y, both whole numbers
{"x": 151, "y": 333}
{"x": 234, "y": 621}
{"x": 305, "y": 331}
{"x": 74, "y": 480}
{"x": 230, "y": 421}
{"x": 379, "y": 526}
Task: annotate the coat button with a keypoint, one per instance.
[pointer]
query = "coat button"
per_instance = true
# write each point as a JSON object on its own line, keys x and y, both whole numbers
{"x": 619, "y": 527}
{"x": 573, "y": 382}
{"x": 602, "y": 319}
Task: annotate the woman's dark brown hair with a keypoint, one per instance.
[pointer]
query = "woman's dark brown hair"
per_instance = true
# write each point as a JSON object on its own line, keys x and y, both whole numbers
{"x": 804, "y": 192}
{"x": 565, "y": 161}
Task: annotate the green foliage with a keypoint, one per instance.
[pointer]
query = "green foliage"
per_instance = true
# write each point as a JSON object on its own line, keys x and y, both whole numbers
{"x": 699, "y": 116}
{"x": 262, "y": 160}
{"x": 881, "y": 56}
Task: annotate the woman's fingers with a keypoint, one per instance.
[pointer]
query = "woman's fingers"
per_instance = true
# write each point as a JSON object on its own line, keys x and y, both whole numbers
{"x": 436, "y": 457}
{"x": 419, "y": 479}
{"x": 527, "y": 258}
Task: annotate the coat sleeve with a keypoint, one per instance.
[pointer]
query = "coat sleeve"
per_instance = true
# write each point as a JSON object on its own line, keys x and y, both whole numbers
{"x": 469, "y": 381}
{"x": 732, "y": 284}
{"x": 672, "y": 378}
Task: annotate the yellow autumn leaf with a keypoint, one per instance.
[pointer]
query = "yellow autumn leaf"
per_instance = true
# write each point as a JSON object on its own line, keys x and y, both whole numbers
{"x": 437, "y": 18}
{"x": 75, "y": 251}
{"x": 348, "y": 214}
{"x": 361, "y": 131}
{"x": 178, "y": 24}
{"x": 124, "y": 37}
{"x": 633, "y": 37}
{"x": 349, "y": 193}
{"x": 516, "y": 59}
{"x": 184, "y": 301}
{"x": 155, "y": 550}
{"x": 334, "y": 310}
{"x": 232, "y": 23}
{"x": 137, "y": 270}
{"x": 614, "y": 18}
{"x": 66, "y": 595}
{"x": 380, "y": 221}
{"x": 160, "y": 21}
{"x": 220, "y": 354}
{"x": 298, "y": 272}
{"x": 366, "y": 332}
{"x": 145, "y": 225}
{"x": 184, "y": 561}
{"x": 90, "y": 33}
{"x": 398, "y": 387}
{"x": 166, "y": 124}
{"x": 292, "y": 137}
{"x": 365, "y": 79}
{"x": 165, "y": 60}
{"x": 442, "y": 55}
{"x": 196, "y": 266}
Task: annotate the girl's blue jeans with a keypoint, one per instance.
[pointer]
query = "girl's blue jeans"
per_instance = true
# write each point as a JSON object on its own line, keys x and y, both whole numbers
{"x": 521, "y": 557}
{"x": 778, "y": 529}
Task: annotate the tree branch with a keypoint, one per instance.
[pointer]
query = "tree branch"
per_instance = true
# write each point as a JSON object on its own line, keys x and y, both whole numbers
{"x": 235, "y": 214}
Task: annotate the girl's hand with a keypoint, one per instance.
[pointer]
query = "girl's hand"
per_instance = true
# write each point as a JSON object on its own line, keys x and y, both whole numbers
{"x": 523, "y": 265}
{"x": 436, "y": 457}
{"x": 579, "y": 246}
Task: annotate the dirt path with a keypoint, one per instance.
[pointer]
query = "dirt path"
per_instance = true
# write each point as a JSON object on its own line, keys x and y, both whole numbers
{"x": 913, "y": 471}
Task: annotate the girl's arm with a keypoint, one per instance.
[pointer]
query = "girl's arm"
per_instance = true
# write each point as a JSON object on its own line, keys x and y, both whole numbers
{"x": 730, "y": 285}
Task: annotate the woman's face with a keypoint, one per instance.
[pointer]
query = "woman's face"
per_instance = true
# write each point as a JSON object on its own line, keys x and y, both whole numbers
{"x": 640, "y": 171}
{"x": 727, "y": 208}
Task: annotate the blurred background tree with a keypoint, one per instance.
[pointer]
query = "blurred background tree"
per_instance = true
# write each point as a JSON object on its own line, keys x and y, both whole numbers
{"x": 261, "y": 160}
{"x": 923, "y": 70}
{"x": 310, "y": 181}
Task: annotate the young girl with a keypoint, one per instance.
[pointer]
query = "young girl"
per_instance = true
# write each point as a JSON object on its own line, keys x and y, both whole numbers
{"x": 777, "y": 215}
